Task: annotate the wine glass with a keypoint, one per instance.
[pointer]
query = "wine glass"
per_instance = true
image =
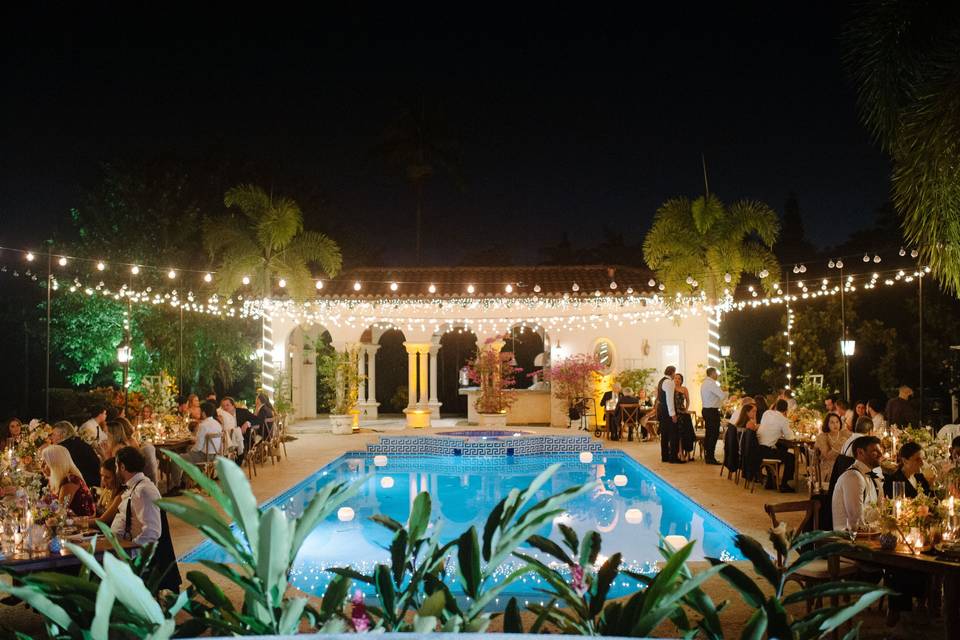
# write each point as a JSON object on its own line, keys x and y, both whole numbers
{"x": 899, "y": 490}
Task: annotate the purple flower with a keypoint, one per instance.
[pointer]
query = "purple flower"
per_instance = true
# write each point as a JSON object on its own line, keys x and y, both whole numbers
{"x": 358, "y": 614}
{"x": 577, "y": 582}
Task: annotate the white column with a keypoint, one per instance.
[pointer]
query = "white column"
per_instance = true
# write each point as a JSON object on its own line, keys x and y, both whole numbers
{"x": 418, "y": 415}
{"x": 411, "y": 374}
{"x": 423, "y": 350}
{"x": 370, "y": 407}
{"x": 434, "y": 402}
{"x": 362, "y": 372}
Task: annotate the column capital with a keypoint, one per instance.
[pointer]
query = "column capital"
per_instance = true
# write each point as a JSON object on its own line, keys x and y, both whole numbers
{"x": 417, "y": 347}
{"x": 371, "y": 347}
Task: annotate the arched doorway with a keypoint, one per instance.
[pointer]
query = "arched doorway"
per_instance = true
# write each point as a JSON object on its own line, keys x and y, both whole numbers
{"x": 392, "y": 372}
{"x": 457, "y": 346}
{"x": 527, "y": 344}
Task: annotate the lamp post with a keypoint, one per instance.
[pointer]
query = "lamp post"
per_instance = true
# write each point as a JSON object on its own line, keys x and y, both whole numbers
{"x": 847, "y": 348}
{"x": 724, "y": 354}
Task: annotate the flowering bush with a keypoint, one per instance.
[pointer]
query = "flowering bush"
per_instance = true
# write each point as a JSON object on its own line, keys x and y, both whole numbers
{"x": 574, "y": 377}
{"x": 493, "y": 373}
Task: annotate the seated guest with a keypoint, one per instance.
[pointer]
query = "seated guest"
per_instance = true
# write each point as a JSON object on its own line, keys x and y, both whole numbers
{"x": 121, "y": 434}
{"x": 94, "y": 429}
{"x": 762, "y": 406}
{"x": 140, "y": 519}
{"x": 862, "y": 427}
{"x": 857, "y": 487}
{"x": 829, "y": 443}
{"x": 146, "y": 415}
{"x": 231, "y": 431}
{"x": 786, "y": 394}
{"x": 909, "y": 463}
{"x": 10, "y": 432}
{"x": 875, "y": 411}
{"x": 111, "y": 493}
{"x": 609, "y": 401}
{"x": 246, "y": 420}
{"x": 955, "y": 451}
{"x": 208, "y": 442}
{"x": 747, "y": 417}
{"x": 845, "y": 412}
{"x": 735, "y": 416}
{"x": 265, "y": 413}
{"x": 83, "y": 455}
{"x": 66, "y": 481}
{"x": 775, "y": 426}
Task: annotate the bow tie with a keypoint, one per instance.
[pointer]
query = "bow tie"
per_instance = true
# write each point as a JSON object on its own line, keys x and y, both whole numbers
{"x": 873, "y": 474}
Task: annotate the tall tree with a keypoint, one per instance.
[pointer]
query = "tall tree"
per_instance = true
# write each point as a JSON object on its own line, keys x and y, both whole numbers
{"x": 420, "y": 145}
{"x": 267, "y": 243}
{"x": 702, "y": 245}
{"x": 904, "y": 58}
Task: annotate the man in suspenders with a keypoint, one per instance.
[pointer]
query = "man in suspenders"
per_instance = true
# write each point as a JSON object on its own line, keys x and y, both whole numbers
{"x": 858, "y": 486}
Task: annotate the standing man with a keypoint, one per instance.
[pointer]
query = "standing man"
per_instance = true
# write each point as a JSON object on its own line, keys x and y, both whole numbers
{"x": 900, "y": 410}
{"x": 712, "y": 398}
{"x": 609, "y": 401}
{"x": 667, "y": 417}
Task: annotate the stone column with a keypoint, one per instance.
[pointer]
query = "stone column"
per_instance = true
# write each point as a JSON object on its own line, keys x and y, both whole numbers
{"x": 423, "y": 350}
{"x": 370, "y": 407}
{"x": 362, "y": 372}
{"x": 434, "y": 402}
{"x": 417, "y": 412}
{"x": 411, "y": 374}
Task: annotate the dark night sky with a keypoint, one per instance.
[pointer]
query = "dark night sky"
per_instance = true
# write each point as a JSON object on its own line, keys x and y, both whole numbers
{"x": 565, "y": 121}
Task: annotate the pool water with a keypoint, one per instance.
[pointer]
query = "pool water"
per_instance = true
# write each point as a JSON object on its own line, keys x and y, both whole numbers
{"x": 631, "y": 510}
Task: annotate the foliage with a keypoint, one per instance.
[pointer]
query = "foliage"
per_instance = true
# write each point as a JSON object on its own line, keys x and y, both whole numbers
{"x": 262, "y": 547}
{"x": 341, "y": 379}
{"x": 85, "y": 331}
{"x": 160, "y": 392}
{"x": 400, "y": 398}
{"x": 637, "y": 379}
{"x": 574, "y": 376}
{"x": 731, "y": 377}
{"x": 282, "y": 398}
{"x": 492, "y": 372}
{"x": 704, "y": 240}
{"x": 810, "y": 395}
{"x": 902, "y": 55}
{"x": 112, "y": 598}
{"x": 278, "y": 246}
{"x": 770, "y": 616}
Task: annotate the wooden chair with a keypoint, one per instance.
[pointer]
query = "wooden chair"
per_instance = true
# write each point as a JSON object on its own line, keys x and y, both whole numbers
{"x": 629, "y": 417}
{"x": 818, "y": 571}
{"x": 731, "y": 453}
{"x": 212, "y": 450}
{"x": 769, "y": 467}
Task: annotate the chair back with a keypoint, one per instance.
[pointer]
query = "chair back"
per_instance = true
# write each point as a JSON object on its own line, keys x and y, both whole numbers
{"x": 210, "y": 447}
{"x": 841, "y": 464}
{"x": 731, "y": 448}
{"x": 750, "y": 455}
{"x": 629, "y": 414}
{"x": 810, "y": 522}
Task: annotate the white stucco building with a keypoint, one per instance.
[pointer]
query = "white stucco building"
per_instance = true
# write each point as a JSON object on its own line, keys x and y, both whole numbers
{"x": 616, "y": 311}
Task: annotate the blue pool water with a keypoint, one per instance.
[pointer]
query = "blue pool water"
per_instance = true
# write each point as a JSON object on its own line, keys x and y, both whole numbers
{"x": 464, "y": 490}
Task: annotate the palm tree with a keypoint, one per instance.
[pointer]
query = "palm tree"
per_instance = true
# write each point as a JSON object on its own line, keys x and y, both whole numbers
{"x": 266, "y": 244}
{"x": 701, "y": 245}
{"x": 903, "y": 57}
{"x": 419, "y": 144}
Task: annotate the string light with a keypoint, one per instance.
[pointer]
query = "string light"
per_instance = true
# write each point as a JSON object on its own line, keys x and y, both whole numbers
{"x": 282, "y": 283}
{"x": 508, "y": 288}
{"x": 62, "y": 261}
{"x": 30, "y": 256}
{"x": 536, "y": 288}
{"x": 101, "y": 266}
{"x": 357, "y": 286}
{"x": 245, "y": 280}
{"x": 433, "y": 288}
{"x": 319, "y": 285}
{"x": 134, "y": 269}
{"x": 394, "y": 286}
{"x": 207, "y": 277}
{"x": 171, "y": 274}
{"x": 471, "y": 288}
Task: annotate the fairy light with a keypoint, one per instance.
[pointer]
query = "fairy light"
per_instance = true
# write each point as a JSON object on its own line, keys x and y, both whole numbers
{"x": 432, "y": 288}
{"x": 471, "y": 288}
{"x": 208, "y": 277}
{"x": 135, "y": 270}
{"x": 394, "y": 286}
{"x": 62, "y": 261}
{"x": 101, "y": 266}
{"x": 508, "y": 288}
{"x": 319, "y": 285}
{"x": 245, "y": 280}
{"x": 30, "y": 256}
{"x": 282, "y": 283}
{"x": 357, "y": 286}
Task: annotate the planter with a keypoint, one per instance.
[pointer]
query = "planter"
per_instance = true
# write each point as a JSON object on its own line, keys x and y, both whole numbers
{"x": 492, "y": 420}
{"x": 341, "y": 425}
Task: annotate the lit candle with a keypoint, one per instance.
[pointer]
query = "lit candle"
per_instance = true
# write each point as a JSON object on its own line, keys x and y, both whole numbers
{"x": 896, "y": 509}
{"x": 950, "y": 506}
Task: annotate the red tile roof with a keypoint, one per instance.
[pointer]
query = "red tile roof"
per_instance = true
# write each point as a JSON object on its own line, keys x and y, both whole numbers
{"x": 453, "y": 282}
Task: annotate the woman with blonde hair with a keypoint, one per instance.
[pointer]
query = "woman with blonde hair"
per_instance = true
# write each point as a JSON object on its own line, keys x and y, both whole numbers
{"x": 120, "y": 434}
{"x": 66, "y": 481}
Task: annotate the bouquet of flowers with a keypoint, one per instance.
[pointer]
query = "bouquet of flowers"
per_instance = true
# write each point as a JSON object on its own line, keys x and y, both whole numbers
{"x": 805, "y": 421}
{"x": 160, "y": 392}
{"x": 33, "y": 437}
{"x": 51, "y": 512}
{"x": 21, "y": 476}
{"x": 936, "y": 452}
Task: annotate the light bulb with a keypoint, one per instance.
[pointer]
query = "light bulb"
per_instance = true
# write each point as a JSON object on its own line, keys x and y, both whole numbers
{"x": 831, "y": 264}
{"x": 914, "y": 253}
{"x": 357, "y": 286}
{"x": 432, "y": 288}
{"x": 613, "y": 285}
{"x": 101, "y": 266}
{"x": 651, "y": 282}
{"x": 207, "y": 277}
{"x": 796, "y": 269}
{"x": 282, "y": 283}
{"x": 839, "y": 264}
{"x": 575, "y": 287}
{"x": 536, "y": 288}
{"x": 134, "y": 269}
{"x": 661, "y": 286}
{"x": 171, "y": 274}
{"x": 394, "y": 286}
{"x": 727, "y": 277}
{"x": 319, "y": 284}
{"x": 470, "y": 288}
{"x": 866, "y": 258}
{"x": 30, "y": 256}
{"x": 903, "y": 252}
{"x": 245, "y": 280}
{"x": 630, "y": 290}
{"x": 689, "y": 279}
{"x": 876, "y": 258}
{"x": 508, "y": 288}
{"x": 62, "y": 261}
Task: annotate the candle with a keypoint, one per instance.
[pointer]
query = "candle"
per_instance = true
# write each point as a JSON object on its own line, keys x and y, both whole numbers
{"x": 896, "y": 509}
{"x": 950, "y": 503}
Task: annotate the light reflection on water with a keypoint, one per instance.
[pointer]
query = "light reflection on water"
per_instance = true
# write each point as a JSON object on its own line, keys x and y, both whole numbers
{"x": 465, "y": 489}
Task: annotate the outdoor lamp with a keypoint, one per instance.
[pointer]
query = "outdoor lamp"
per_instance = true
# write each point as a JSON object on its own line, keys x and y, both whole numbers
{"x": 724, "y": 351}
{"x": 123, "y": 354}
{"x": 847, "y": 347}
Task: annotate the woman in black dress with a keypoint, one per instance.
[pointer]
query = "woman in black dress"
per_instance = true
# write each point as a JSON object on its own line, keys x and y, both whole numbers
{"x": 684, "y": 419}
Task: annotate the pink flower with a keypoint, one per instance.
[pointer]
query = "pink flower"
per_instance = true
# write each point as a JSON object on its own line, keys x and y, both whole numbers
{"x": 576, "y": 579}
{"x": 923, "y": 511}
{"x": 358, "y": 614}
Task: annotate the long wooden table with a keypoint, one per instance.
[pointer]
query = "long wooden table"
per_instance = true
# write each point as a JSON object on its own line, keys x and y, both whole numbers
{"x": 28, "y": 562}
{"x": 902, "y": 558}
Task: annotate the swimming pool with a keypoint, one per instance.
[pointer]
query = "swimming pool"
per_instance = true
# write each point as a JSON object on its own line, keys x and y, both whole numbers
{"x": 633, "y": 507}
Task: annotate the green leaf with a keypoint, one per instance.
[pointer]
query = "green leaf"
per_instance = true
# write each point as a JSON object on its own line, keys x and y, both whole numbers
{"x": 512, "y": 622}
{"x": 335, "y": 595}
{"x": 323, "y": 504}
{"x": 385, "y": 592}
{"x": 778, "y": 625}
{"x": 213, "y": 527}
{"x": 131, "y": 591}
{"x": 54, "y": 613}
{"x": 601, "y": 586}
{"x": 826, "y": 590}
{"x": 468, "y": 562}
{"x": 87, "y": 558}
{"x": 743, "y": 583}
{"x": 817, "y": 553}
{"x": 762, "y": 563}
{"x": 209, "y": 591}
{"x": 663, "y": 583}
{"x": 202, "y": 481}
{"x": 569, "y": 537}
{"x": 589, "y": 548}
{"x": 398, "y": 555}
{"x": 100, "y": 627}
{"x": 542, "y": 616}
{"x": 290, "y": 618}
{"x": 387, "y": 522}
{"x": 347, "y": 572}
{"x": 419, "y": 516}
{"x": 549, "y": 546}
{"x": 847, "y": 613}
{"x": 243, "y": 504}
{"x": 811, "y": 537}
{"x": 490, "y": 528}
{"x": 273, "y": 554}
{"x": 756, "y": 626}
{"x": 434, "y": 605}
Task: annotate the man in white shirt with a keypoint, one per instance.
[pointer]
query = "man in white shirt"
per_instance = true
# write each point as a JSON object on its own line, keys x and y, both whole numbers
{"x": 230, "y": 430}
{"x": 858, "y": 486}
{"x": 138, "y": 517}
{"x": 711, "y": 398}
{"x": 208, "y": 442}
{"x": 876, "y": 414}
{"x": 667, "y": 417}
{"x": 773, "y": 427}
{"x": 787, "y": 395}
{"x": 95, "y": 429}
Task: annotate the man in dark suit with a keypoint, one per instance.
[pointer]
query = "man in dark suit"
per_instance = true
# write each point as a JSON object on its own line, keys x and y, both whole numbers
{"x": 609, "y": 401}
{"x": 667, "y": 417}
{"x": 86, "y": 459}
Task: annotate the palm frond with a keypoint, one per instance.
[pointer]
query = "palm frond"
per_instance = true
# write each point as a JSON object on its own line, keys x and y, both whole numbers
{"x": 300, "y": 283}
{"x": 312, "y": 247}
{"x": 252, "y": 200}
{"x": 278, "y": 225}
{"x": 224, "y": 234}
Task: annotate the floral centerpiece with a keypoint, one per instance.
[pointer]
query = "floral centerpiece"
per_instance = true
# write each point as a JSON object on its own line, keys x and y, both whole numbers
{"x": 916, "y": 521}
{"x": 805, "y": 421}
{"x": 160, "y": 392}
{"x": 936, "y": 452}
{"x": 33, "y": 437}
{"x": 573, "y": 378}
{"x": 494, "y": 374}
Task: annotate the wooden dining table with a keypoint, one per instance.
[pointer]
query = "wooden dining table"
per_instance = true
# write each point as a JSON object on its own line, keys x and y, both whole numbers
{"x": 32, "y": 561}
{"x": 947, "y": 568}
{"x": 797, "y": 445}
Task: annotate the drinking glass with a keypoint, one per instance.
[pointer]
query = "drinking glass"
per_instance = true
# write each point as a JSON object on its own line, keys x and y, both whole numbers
{"x": 899, "y": 490}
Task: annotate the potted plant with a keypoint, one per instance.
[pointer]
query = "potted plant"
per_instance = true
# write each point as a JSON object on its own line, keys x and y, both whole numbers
{"x": 494, "y": 375}
{"x": 341, "y": 380}
{"x": 572, "y": 379}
